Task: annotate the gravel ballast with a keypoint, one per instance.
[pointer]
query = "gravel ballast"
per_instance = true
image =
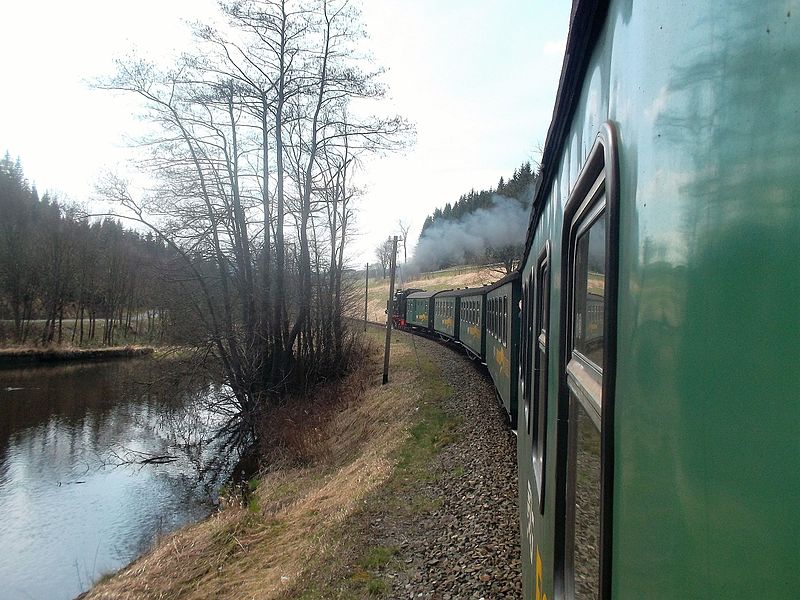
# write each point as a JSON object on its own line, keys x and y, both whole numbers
{"x": 466, "y": 545}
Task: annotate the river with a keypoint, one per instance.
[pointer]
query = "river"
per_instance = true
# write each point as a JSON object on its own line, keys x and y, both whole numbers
{"x": 78, "y": 497}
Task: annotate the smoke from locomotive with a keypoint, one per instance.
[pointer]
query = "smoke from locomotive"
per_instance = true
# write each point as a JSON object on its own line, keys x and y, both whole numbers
{"x": 449, "y": 242}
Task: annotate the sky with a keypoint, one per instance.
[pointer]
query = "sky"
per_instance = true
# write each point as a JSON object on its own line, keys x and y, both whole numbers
{"x": 477, "y": 78}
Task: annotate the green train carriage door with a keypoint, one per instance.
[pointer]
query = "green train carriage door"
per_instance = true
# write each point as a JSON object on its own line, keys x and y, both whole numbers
{"x": 585, "y": 472}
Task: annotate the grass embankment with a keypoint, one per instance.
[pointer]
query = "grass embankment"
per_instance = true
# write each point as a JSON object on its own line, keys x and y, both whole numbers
{"x": 457, "y": 277}
{"x": 51, "y": 354}
{"x": 300, "y": 533}
{"x": 135, "y": 335}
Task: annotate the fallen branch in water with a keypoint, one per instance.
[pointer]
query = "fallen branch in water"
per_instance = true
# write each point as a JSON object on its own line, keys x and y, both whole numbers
{"x": 137, "y": 457}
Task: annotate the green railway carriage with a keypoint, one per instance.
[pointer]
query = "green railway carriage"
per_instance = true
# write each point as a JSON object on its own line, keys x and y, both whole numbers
{"x": 419, "y": 310}
{"x": 471, "y": 322}
{"x": 502, "y": 339}
{"x": 446, "y": 315}
{"x": 659, "y": 421}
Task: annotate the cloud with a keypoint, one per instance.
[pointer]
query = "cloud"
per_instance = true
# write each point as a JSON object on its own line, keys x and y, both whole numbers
{"x": 554, "y": 47}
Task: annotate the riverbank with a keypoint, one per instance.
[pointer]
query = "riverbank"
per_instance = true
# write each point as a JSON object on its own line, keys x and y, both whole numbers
{"x": 15, "y": 357}
{"x": 376, "y": 498}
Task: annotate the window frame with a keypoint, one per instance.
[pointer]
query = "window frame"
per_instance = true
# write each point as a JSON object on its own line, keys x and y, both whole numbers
{"x": 598, "y": 182}
{"x": 504, "y": 321}
{"x": 538, "y": 433}
{"x": 490, "y": 317}
{"x": 526, "y": 365}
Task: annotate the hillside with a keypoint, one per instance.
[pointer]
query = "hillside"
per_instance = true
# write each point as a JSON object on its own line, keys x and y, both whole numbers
{"x": 455, "y": 277}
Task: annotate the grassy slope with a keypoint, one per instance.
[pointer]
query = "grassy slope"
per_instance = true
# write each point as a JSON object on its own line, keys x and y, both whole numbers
{"x": 458, "y": 277}
{"x": 298, "y": 536}
{"x": 122, "y": 336}
{"x": 24, "y": 356}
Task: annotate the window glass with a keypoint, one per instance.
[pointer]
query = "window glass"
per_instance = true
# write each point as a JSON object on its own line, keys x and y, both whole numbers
{"x": 540, "y": 378}
{"x": 527, "y": 314}
{"x": 590, "y": 279}
{"x": 504, "y": 319}
{"x": 499, "y": 318}
{"x": 586, "y": 463}
{"x": 585, "y": 474}
{"x": 524, "y": 334}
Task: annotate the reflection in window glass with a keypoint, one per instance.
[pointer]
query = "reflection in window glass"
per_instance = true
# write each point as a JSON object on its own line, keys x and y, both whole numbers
{"x": 586, "y": 526}
{"x": 540, "y": 371}
{"x": 504, "y": 319}
{"x": 590, "y": 278}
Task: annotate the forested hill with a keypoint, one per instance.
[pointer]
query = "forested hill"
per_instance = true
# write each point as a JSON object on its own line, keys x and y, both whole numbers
{"x": 520, "y": 186}
{"x": 56, "y": 265}
{"x": 482, "y": 227}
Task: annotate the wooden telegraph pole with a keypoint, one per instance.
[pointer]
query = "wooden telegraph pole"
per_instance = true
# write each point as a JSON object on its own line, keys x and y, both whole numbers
{"x": 389, "y": 316}
{"x": 366, "y": 297}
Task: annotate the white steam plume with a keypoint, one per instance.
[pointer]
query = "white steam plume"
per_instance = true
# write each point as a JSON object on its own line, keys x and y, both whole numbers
{"x": 448, "y": 242}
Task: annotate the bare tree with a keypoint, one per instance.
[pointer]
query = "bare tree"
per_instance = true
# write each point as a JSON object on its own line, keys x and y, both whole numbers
{"x": 253, "y": 158}
{"x": 383, "y": 252}
{"x": 404, "y": 229}
{"x": 506, "y": 258}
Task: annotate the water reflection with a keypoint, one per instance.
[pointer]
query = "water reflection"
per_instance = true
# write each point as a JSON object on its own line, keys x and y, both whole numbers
{"x": 76, "y": 500}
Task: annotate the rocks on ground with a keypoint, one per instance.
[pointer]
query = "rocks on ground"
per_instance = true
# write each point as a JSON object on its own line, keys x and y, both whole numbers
{"x": 466, "y": 544}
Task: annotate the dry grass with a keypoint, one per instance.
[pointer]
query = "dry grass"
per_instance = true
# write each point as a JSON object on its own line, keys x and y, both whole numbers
{"x": 291, "y": 527}
{"x": 123, "y": 336}
{"x": 29, "y": 354}
{"x": 440, "y": 280}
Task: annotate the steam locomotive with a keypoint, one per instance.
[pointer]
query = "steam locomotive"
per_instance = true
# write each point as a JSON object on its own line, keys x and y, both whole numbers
{"x": 647, "y": 350}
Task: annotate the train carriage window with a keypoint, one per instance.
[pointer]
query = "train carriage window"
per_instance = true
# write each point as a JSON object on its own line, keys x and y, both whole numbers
{"x": 584, "y": 372}
{"x": 540, "y": 359}
{"x": 523, "y": 349}
{"x": 527, "y": 350}
{"x": 589, "y": 292}
{"x": 495, "y": 304}
{"x": 504, "y": 322}
{"x": 498, "y": 315}
{"x": 494, "y": 316}
{"x": 490, "y": 318}
{"x": 585, "y": 472}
